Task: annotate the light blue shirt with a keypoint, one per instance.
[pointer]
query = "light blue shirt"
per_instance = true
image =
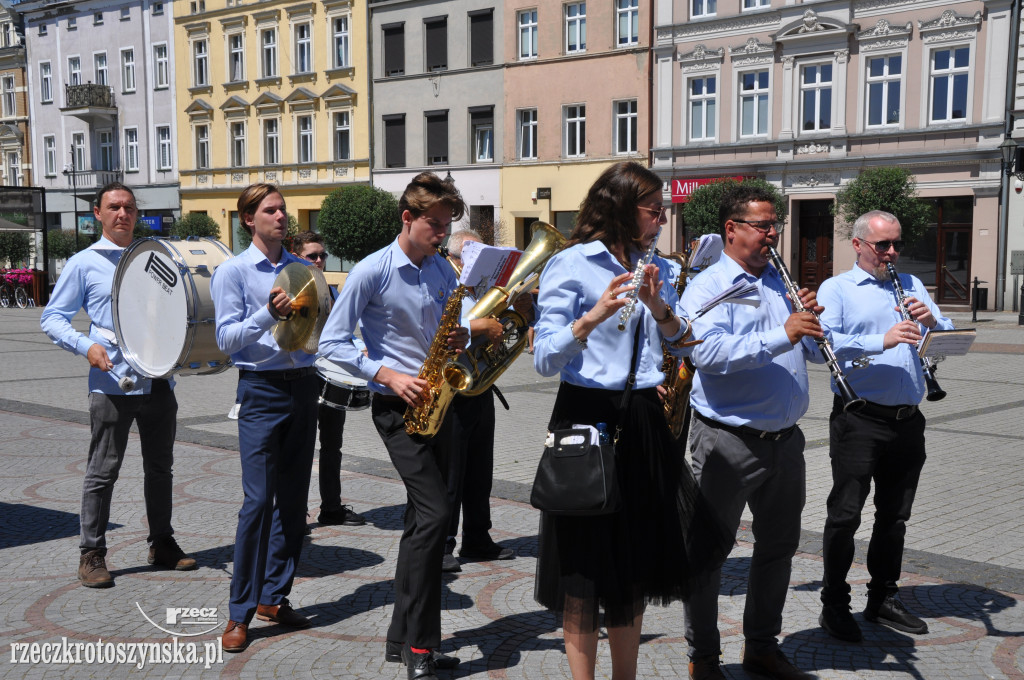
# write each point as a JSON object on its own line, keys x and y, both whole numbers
{"x": 86, "y": 283}
{"x": 241, "y": 289}
{"x": 748, "y": 373}
{"x": 399, "y": 307}
{"x": 859, "y": 310}
{"x": 571, "y": 284}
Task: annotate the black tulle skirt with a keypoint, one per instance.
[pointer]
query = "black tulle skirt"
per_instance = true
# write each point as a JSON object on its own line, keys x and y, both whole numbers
{"x": 622, "y": 562}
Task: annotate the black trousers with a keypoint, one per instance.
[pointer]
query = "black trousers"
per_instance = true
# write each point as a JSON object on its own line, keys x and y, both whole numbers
{"x": 471, "y": 468}
{"x": 331, "y": 423}
{"x": 864, "y": 450}
{"x": 422, "y": 464}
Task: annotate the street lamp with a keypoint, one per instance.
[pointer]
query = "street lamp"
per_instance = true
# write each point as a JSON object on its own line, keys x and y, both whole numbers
{"x": 1008, "y": 150}
{"x": 70, "y": 169}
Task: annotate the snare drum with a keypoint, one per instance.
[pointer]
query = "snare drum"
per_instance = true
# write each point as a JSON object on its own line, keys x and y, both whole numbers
{"x": 163, "y": 308}
{"x": 342, "y": 390}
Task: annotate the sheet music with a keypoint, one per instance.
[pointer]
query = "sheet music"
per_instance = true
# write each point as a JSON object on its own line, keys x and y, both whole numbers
{"x": 737, "y": 294}
{"x": 947, "y": 343}
{"x": 484, "y": 266}
{"x": 707, "y": 252}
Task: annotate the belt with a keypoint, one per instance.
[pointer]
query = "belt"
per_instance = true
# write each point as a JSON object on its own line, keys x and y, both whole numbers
{"x": 888, "y": 412}
{"x": 286, "y": 374}
{"x": 743, "y": 430}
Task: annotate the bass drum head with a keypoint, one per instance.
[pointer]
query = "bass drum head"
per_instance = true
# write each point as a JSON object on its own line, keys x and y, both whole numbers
{"x": 149, "y": 303}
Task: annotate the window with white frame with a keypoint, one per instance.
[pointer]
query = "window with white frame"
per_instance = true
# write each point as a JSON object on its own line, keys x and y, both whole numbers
{"x": 163, "y": 141}
{"x": 106, "y": 144}
{"x": 754, "y": 103}
{"x": 340, "y": 38}
{"x": 72, "y": 23}
{"x": 197, "y": 6}
{"x": 78, "y": 151}
{"x": 45, "y": 82}
{"x": 238, "y": 145}
{"x": 756, "y": 4}
{"x": 884, "y": 82}
{"x": 200, "y": 63}
{"x": 703, "y": 94}
{"x": 575, "y": 126}
{"x": 10, "y": 102}
{"x": 528, "y": 34}
{"x": 158, "y": 8}
{"x": 628, "y": 22}
{"x": 305, "y": 132}
{"x": 99, "y": 64}
{"x": 126, "y": 13}
{"x": 97, "y": 18}
{"x": 202, "y": 133}
{"x": 271, "y": 141}
{"x": 342, "y": 135}
{"x": 703, "y": 8}
{"x": 481, "y": 123}
{"x": 526, "y": 124}
{"x": 575, "y": 27}
{"x": 43, "y": 30}
{"x": 236, "y": 57}
{"x": 815, "y": 97}
{"x": 303, "y": 48}
{"x": 14, "y": 168}
{"x": 949, "y": 79}
{"x": 131, "y": 149}
{"x": 50, "y": 155}
{"x": 128, "y": 70}
{"x": 268, "y": 52}
{"x": 74, "y": 71}
{"x": 162, "y": 77}
{"x": 625, "y": 130}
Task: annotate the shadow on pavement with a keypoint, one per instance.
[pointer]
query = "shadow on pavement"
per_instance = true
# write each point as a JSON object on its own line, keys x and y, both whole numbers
{"x": 27, "y": 524}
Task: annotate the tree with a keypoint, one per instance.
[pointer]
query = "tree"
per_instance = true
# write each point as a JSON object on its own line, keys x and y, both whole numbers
{"x": 244, "y": 238}
{"x": 701, "y": 213}
{"x": 195, "y": 224}
{"x": 142, "y": 230}
{"x": 891, "y": 189}
{"x": 358, "y": 220}
{"x": 61, "y": 244}
{"x": 15, "y": 247}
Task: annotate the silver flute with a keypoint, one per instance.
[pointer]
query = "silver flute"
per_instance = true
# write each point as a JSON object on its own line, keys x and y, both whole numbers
{"x": 638, "y": 278}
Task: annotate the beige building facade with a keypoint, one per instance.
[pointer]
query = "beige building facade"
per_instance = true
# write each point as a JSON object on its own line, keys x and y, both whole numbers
{"x": 15, "y": 159}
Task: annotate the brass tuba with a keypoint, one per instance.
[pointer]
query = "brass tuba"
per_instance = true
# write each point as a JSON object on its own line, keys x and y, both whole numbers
{"x": 678, "y": 374}
{"x": 474, "y": 370}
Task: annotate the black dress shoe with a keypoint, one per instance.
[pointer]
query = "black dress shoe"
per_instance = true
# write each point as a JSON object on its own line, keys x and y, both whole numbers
{"x": 393, "y": 654}
{"x": 486, "y": 553}
{"x": 450, "y": 563}
{"x": 419, "y": 666}
{"x": 891, "y": 612}
{"x": 838, "y": 622}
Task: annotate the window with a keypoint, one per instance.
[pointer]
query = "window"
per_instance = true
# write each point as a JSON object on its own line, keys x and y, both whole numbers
{"x": 481, "y": 122}
{"x": 197, "y": 6}
{"x": 481, "y": 38}
{"x": 106, "y": 144}
{"x": 575, "y": 27}
{"x": 575, "y": 130}
{"x": 238, "y": 145}
{"x": 126, "y": 13}
{"x": 816, "y": 98}
{"x": 625, "y": 127}
{"x": 394, "y": 140}
{"x": 437, "y": 137}
{"x": 162, "y": 75}
{"x": 10, "y": 104}
{"x": 704, "y": 8}
{"x": 435, "y": 33}
{"x": 158, "y": 8}
{"x": 78, "y": 151}
{"x": 394, "y": 51}
{"x": 45, "y": 82}
{"x": 72, "y": 23}
{"x": 526, "y": 123}
{"x": 268, "y": 52}
{"x": 99, "y": 63}
{"x": 628, "y": 24}
{"x": 342, "y": 136}
{"x": 949, "y": 83}
{"x": 131, "y": 149}
{"x": 50, "y": 155}
{"x": 271, "y": 141}
{"x": 884, "y": 79}
{"x": 202, "y": 147}
{"x": 13, "y": 168}
{"x": 528, "y": 34}
{"x": 163, "y": 141}
{"x": 756, "y": 4}
{"x": 702, "y": 108}
{"x": 74, "y": 71}
{"x": 128, "y": 70}
{"x": 753, "y": 103}
{"x": 97, "y": 19}
{"x": 43, "y": 29}
{"x": 200, "y": 64}
{"x": 236, "y": 58}
{"x": 303, "y": 48}
{"x": 305, "y": 125}
{"x": 340, "y": 38}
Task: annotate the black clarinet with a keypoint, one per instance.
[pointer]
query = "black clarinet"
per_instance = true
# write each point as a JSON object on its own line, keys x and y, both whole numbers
{"x": 927, "y": 365}
{"x": 851, "y": 402}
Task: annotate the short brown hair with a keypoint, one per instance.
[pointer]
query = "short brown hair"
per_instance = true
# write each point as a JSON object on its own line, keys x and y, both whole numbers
{"x": 251, "y": 197}
{"x": 427, "y": 190}
{"x": 304, "y": 237}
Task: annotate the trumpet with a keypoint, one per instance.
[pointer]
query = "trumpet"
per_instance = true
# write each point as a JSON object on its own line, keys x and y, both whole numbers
{"x": 927, "y": 365}
{"x": 851, "y": 402}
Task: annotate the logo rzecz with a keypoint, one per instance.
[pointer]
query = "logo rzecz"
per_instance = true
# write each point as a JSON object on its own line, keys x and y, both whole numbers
{"x": 160, "y": 270}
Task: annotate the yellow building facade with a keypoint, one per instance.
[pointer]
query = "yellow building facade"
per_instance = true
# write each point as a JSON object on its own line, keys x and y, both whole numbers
{"x": 270, "y": 92}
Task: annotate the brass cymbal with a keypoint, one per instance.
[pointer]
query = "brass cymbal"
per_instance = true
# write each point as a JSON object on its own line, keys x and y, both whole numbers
{"x": 324, "y": 304}
{"x": 299, "y": 283}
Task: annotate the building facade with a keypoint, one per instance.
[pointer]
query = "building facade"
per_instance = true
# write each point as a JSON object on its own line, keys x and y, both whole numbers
{"x": 1013, "y": 251}
{"x": 808, "y": 95}
{"x": 15, "y": 159}
{"x": 101, "y": 103}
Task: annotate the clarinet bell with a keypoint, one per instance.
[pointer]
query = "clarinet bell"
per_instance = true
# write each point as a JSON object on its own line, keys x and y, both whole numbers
{"x": 851, "y": 402}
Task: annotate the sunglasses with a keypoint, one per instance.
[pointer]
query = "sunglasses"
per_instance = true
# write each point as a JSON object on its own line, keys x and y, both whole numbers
{"x": 322, "y": 255}
{"x": 882, "y": 247}
{"x": 764, "y": 225}
{"x": 660, "y": 212}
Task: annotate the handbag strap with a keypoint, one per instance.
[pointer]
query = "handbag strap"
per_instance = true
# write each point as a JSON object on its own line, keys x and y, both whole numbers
{"x": 630, "y": 381}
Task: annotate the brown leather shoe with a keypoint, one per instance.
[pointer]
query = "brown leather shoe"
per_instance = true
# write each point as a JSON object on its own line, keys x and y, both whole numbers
{"x": 92, "y": 570}
{"x": 706, "y": 668}
{"x": 235, "y": 637}
{"x": 774, "y": 665}
{"x": 165, "y": 553}
{"x": 282, "y": 614}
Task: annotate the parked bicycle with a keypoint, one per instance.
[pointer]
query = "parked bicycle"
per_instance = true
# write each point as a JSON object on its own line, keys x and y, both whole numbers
{"x": 12, "y": 291}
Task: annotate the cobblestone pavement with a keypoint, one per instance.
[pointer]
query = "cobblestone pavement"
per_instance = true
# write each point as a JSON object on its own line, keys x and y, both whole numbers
{"x": 965, "y": 544}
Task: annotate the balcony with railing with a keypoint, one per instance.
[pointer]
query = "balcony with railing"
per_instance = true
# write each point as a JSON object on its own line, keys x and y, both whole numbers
{"x": 90, "y": 102}
{"x": 85, "y": 181}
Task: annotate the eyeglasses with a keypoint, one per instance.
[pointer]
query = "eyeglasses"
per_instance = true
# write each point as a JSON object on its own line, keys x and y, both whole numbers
{"x": 322, "y": 255}
{"x": 765, "y": 225}
{"x": 660, "y": 212}
{"x": 882, "y": 247}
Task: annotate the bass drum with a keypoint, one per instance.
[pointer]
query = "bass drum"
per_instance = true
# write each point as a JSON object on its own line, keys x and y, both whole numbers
{"x": 163, "y": 308}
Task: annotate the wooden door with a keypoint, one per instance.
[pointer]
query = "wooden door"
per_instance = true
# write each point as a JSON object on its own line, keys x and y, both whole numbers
{"x": 816, "y": 234}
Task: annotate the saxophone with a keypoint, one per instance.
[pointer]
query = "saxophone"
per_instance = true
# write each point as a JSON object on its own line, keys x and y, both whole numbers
{"x": 442, "y": 381}
{"x": 678, "y": 375}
